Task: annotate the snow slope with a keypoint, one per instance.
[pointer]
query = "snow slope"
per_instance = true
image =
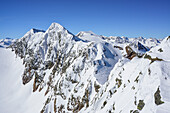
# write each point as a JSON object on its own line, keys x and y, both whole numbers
{"x": 16, "y": 97}
{"x": 89, "y": 36}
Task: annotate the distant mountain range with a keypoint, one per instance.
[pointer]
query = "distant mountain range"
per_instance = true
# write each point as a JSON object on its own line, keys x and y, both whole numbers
{"x": 55, "y": 71}
{"x": 6, "y": 42}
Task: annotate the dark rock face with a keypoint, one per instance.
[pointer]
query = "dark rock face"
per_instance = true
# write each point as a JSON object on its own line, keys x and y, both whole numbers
{"x": 37, "y": 30}
{"x": 142, "y": 47}
{"x": 168, "y": 38}
{"x": 120, "y": 48}
{"x": 141, "y": 104}
{"x": 130, "y": 53}
{"x": 157, "y": 96}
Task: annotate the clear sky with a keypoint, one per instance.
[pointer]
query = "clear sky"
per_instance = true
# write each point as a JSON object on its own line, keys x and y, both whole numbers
{"x": 131, "y": 18}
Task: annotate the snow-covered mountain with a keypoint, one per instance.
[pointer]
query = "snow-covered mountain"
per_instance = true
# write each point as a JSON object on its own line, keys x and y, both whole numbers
{"x": 56, "y": 71}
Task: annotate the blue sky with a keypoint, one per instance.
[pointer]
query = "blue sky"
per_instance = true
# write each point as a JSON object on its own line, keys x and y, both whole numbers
{"x": 131, "y": 18}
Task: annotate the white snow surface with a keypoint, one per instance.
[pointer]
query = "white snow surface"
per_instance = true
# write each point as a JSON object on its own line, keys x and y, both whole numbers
{"x": 14, "y": 96}
{"x": 90, "y": 36}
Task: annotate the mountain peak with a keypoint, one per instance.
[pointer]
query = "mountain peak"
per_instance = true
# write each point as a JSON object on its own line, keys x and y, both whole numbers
{"x": 55, "y": 26}
{"x": 140, "y": 37}
{"x": 86, "y": 33}
{"x": 33, "y": 31}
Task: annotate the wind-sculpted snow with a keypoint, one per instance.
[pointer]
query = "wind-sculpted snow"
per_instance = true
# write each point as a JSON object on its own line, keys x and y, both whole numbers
{"x": 93, "y": 73}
